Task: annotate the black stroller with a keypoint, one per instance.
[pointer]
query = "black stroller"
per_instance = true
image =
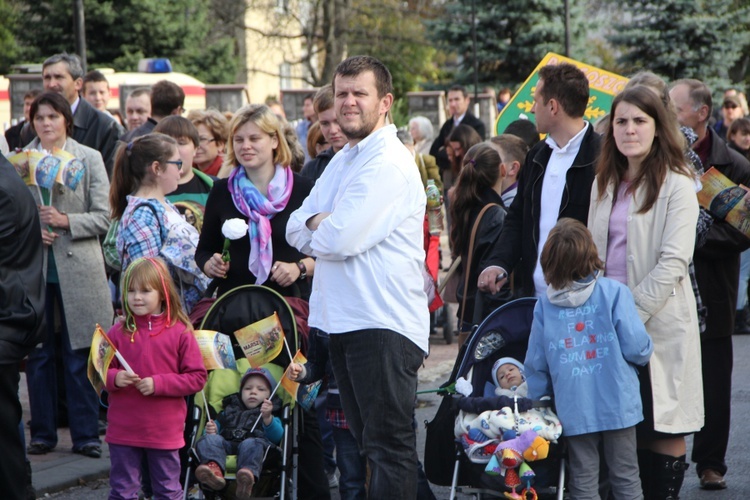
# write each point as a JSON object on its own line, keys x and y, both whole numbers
{"x": 505, "y": 332}
{"x": 234, "y": 310}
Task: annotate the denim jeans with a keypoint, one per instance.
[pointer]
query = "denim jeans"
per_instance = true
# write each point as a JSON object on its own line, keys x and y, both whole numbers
{"x": 83, "y": 410}
{"x": 376, "y": 371}
{"x": 351, "y": 464}
{"x": 214, "y": 448}
{"x": 744, "y": 277}
{"x": 326, "y": 433}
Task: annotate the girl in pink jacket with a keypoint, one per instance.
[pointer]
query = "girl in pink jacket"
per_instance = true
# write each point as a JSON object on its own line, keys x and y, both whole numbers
{"x": 147, "y": 406}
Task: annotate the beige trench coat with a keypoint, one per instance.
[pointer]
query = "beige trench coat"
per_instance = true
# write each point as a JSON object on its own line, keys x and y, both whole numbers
{"x": 659, "y": 248}
{"x": 78, "y": 255}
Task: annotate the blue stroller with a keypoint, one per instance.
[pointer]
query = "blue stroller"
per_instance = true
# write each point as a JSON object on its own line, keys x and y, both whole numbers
{"x": 505, "y": 332}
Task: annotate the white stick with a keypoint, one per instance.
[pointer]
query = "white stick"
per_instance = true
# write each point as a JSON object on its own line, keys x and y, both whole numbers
{"x": 289, "y": 351}
{"x": 205, "y": 403}
{"x": 124, "y": 363}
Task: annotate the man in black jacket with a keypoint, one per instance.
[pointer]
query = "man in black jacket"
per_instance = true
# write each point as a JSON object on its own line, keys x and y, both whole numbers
{"x": 458, "y": 106}
{"x": 717, "y": 267}
{"x": 554, "y": 182}
{"x": 63, "y": 73}
{"x": 21, "y": 314}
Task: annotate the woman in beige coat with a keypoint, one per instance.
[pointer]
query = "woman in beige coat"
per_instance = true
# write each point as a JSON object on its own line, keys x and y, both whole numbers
{"x": 74, "y": 216}
{"x": 642, "y": 215}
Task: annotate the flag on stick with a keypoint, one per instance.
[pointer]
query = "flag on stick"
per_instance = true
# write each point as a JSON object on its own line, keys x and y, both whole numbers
{"x": 261, "y": 341}
{"x": 304, "y": 394}
{"x": 100, "y": 357}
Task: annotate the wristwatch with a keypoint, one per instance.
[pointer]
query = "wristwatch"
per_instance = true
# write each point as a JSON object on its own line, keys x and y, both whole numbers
{"x": 302, "y": 270}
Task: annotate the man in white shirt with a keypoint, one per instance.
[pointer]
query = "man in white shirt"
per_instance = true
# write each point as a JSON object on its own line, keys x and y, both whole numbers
{"x": 554, "y": 182}
{"x": 364, "y": 221}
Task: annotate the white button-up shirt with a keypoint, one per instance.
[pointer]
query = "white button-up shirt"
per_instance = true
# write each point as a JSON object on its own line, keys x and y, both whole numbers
{"x": 553, "y": 186}
{"x": 370, "y": 250}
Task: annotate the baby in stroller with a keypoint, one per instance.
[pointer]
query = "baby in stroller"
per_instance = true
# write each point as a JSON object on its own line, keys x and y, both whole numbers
{"x": 504, "y": 412}
{"x": 237, "y": 431}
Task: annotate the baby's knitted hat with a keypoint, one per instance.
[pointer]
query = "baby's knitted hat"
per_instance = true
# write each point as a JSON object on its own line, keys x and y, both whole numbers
{"x": 502, "y": 361}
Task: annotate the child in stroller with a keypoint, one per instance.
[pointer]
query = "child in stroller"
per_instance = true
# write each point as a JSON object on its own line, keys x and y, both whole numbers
{"x": 236, "y": 431}
{"x": 502, "y": 428}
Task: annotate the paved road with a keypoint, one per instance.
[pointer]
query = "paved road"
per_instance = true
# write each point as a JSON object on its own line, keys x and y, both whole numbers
{"x": 438, "y": 367}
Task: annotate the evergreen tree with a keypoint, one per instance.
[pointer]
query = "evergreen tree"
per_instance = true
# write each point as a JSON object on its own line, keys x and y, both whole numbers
{"x": 683, "y": 38}
{"x": 512, "y": 36}
{"x": 120, "y": 32}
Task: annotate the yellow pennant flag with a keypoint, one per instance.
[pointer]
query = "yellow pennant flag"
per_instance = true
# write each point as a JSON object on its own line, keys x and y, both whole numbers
{"x": 261, "y": 341}
{"x": 304, "y": 394}
{"x": 100, "y": 356}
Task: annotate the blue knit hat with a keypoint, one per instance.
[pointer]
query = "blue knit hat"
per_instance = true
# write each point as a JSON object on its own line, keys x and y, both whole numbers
{"x": 503, "y": 361}
{"x": 261, "y": 372}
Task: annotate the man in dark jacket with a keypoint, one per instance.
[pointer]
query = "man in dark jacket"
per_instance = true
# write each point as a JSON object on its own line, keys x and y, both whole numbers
{"x": 554, "y": 182}
{"x": 329, "y": 127}
{"x": 458, "y": 107}
{"x": 21, "y": 314}
{"x": 717, "y": 267}
{"x": 63, "y": 73}
{"x": 167, "y": 99}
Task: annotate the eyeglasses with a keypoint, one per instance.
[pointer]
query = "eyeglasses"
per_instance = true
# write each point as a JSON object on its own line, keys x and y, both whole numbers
{"x": 730, "y": 106}
{"x": 205, "y": 140}
{"x": 176, "y": 162}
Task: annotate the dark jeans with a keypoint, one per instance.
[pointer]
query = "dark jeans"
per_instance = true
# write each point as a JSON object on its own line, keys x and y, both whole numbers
{"x": 12, "y": 465}
{"x": 214, "y": 448}
{"x": 710, "y": 444}
{"x": 311, "y": 474}
{"x": 376, "y": 371}
{"x": 83, "y": 410}
{"x": 351, "y": 464}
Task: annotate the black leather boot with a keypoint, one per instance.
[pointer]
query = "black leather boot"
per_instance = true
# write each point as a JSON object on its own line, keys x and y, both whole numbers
{"x": 669, "y": 472}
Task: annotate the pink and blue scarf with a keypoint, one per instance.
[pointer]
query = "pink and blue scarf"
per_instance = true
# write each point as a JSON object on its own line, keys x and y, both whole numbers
{"x": 259, "y": 211}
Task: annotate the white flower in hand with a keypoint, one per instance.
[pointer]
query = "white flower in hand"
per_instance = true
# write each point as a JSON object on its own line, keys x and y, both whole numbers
{"x": 232, "y": 229}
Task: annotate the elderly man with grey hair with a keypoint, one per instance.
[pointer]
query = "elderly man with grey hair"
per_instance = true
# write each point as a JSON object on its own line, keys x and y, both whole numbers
{"x": 63, "y": 73}
{"x": 421, "y": 130}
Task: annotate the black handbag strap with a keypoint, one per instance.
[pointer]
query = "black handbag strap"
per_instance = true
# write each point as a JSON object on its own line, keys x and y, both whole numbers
{"x": 467, "y": 269}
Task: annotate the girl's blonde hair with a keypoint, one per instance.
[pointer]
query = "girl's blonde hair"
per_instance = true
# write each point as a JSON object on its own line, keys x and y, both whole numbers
{"x": 152, "y": 272}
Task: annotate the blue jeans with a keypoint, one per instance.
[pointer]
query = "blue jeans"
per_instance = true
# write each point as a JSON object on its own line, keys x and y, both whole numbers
{"x": 83, "y": 410}
{"x": 744, "y": 277}
{"x": 214, "y": 448}
{"x": 351, "y": 464}
{"x": 376, "y": 371}
{"x": 326, "y": 433}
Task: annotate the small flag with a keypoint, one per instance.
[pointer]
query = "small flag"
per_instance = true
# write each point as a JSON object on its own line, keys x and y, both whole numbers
{"x": 304, "y": 394}
{"x": 261, "y": 341}
{"x": 100, "y": 357}
{"x": 216, "y": 349}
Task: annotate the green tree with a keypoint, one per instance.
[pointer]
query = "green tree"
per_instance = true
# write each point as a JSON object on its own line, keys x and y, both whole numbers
{"x": 512, "y": 36}
{"x": 683, "y": 38}
{"x": 120, "y": 32}
{"x": 9, "y": 50}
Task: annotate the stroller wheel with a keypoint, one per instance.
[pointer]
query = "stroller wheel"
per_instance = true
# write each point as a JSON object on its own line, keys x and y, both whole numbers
{"x": 447, "y": 326}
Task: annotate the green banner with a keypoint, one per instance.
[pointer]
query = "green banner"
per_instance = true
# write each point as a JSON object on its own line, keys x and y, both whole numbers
{"x": 603, "y": 86}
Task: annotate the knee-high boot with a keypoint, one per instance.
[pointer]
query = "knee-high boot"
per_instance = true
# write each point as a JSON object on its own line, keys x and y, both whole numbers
{"x": 646, "y": 472}
{"x": 669, "y": 472}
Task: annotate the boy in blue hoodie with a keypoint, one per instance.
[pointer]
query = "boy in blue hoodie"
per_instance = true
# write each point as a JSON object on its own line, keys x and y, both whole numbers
{"x": 585, "y": 341}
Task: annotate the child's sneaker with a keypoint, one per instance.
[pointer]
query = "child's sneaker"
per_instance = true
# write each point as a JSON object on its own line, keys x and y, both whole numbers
{"x": 245, "y": 483}
{"x": 210, "y": 476}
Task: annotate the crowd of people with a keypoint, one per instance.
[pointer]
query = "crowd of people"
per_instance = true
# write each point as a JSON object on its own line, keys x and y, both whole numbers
{"x": 335, "y": 213}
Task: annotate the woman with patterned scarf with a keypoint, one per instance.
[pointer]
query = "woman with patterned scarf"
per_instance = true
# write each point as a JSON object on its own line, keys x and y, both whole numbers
{"x": 262, "y": 191}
